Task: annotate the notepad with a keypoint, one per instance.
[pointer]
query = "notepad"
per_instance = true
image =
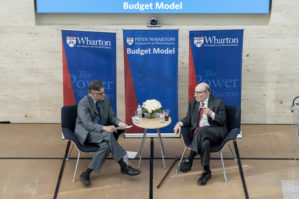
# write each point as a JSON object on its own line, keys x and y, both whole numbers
{"x": 120, "y": 128}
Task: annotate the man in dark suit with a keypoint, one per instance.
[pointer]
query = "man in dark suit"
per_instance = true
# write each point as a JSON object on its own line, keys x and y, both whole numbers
{"x": 207, "y": 120}
{"x": 96, "y": 123}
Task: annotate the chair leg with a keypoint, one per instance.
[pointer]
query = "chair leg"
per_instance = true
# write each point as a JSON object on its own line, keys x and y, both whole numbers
{"x": 241, "y": 170}
{"x": 234, "y": 155}
{"x": 76, "y": 167}
{"x": 69, "y": 154}
{"x": 223, "y": 167}
{"x": 177, "y": 169}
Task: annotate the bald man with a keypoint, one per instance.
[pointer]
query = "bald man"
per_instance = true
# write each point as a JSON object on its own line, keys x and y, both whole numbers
{"x": 206, "y": 118}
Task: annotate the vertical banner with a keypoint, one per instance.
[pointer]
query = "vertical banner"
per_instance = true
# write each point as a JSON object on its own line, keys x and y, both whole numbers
{"x": 215, "y": 57}
{"x": 151, "y": 71}
{"x": 88, "y": 56}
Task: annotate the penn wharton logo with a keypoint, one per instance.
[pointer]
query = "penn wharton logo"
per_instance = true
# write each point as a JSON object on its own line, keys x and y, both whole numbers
{"x": 198, "y": 41}
{"x": 130, "y": 40}
{"x": 71, "y": 41}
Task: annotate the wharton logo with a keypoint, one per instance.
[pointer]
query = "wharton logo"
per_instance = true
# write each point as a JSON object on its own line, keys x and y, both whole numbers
{"x": 198, "y": 41}
{"x": 213, "y": 41}
{"x": 130, "y": 40}
{"x": 85, "y": 42}
{"x": 71, "y": 41}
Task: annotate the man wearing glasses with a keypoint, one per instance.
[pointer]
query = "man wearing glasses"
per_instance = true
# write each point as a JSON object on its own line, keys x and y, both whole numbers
{"x": 207, "y": 120}
{"x": 96, "y": 123}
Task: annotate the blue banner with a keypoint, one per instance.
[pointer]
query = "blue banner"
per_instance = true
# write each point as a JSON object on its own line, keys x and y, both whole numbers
{"x": 88, "y": 56}
{"x": 216, "y": 58}
{"x": 154, "y": 6}
{"x": 151, "y": 71}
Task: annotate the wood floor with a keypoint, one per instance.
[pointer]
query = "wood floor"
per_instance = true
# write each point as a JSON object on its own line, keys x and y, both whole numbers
{"x": 31, "y": 158}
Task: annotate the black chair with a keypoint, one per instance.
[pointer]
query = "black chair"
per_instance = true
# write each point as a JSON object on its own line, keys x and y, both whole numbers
{"x": 233, "y": 119}
{"x": 68, "y": 122}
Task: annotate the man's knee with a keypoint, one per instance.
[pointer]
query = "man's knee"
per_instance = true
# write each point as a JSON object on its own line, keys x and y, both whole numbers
{"x": 204, "y": 131}
{"x": 108, "y": 136}
{"x": 206, "y": 143}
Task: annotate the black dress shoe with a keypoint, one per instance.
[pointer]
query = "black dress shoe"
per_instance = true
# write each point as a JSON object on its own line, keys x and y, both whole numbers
{"x": 85, "y": 178}
{"x": 130, "y": 171}
{"x": 206, "y": 175}
{"x": 186, "y": 166}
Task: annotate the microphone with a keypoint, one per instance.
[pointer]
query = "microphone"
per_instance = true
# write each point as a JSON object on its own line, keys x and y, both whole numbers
{"x": 293, "y": 104}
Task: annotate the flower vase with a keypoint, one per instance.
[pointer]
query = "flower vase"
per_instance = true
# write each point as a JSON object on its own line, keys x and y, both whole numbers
{"x": 149, "y": 116}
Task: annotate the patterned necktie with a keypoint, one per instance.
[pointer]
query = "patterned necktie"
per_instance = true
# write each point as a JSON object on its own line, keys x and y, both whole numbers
{"x": 199, "y": 117}
{"x": 200, "y": 113}
{"x": 98, "y": 108}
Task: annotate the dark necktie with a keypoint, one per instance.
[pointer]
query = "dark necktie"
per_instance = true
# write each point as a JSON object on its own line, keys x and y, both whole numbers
{"x": 200, "y": 114}
{"x": 98, "y": 108}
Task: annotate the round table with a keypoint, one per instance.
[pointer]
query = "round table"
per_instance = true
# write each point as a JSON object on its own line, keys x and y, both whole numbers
{"x": 152, "y": 124}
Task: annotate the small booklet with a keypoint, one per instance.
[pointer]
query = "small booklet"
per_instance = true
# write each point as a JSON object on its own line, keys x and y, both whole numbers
{"x": 120, "y": 128}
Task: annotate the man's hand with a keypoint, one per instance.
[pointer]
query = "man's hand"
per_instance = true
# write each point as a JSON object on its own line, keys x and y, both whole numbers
{"x": 207, "y": 111}
{"x": 110, "y": 129}
{"x": 121, "y": 124}
{"x": 177, "y": 128}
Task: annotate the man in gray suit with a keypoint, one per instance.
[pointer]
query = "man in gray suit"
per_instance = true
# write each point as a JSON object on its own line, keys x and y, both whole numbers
{"x": 207, "y": 120}
{"x": 96, "y": 123}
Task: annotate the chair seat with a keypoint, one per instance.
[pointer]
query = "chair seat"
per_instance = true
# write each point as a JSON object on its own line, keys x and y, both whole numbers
{"x": 69, "y": 135}
{"x": 230, "y": 136}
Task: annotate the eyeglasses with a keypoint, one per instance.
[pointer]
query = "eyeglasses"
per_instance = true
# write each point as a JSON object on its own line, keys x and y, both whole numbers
{"x": 199, "y": 92}
{"x": 100, "y": 94}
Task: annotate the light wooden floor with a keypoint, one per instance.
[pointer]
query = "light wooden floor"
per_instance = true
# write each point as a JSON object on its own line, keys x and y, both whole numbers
{"x": 31, "y": 156}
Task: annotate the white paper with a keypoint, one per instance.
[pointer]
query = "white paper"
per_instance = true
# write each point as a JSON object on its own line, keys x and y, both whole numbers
{"x": 119, "y": 128}
{"x": 132, "y": 154}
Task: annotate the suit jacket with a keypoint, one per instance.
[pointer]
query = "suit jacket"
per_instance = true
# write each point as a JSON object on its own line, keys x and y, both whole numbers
{"x": 216, "y": 105}
{"x": 88, "y": 116}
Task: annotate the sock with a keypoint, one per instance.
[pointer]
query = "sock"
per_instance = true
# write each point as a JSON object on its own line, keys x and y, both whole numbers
{"x": 206, "y": 168}
{"x": 88, "y": 171}
{"x": 126, "y": 158}
{"x": 191, "y": 156}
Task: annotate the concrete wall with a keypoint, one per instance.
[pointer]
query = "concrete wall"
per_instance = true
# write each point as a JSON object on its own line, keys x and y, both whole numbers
{"x": 31, "y": 58}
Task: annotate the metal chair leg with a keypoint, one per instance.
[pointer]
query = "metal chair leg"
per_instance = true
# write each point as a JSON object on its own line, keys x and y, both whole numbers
{"x": 234, "y": 155}
{"x": 177, "y": 169}
{"x": 76, "y": 167}
{"x": 223, "y": 167}
{"x": 241, "y": 170}
{"x": 69, "y": 154}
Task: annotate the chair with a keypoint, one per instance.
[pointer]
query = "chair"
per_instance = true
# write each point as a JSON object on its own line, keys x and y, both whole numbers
{"x": 233, "y": 115}
{"x": 68, "y": 122}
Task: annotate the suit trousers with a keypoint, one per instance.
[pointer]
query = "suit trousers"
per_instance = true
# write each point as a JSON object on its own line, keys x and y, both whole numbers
{"x": 107, "y": 143}
{"x": 203, "y": 139}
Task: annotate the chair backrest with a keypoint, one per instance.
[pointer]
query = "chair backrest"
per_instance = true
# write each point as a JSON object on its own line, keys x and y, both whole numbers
{"x": 233, "y": 117}
{"x": 68, "y": 117}
{"x": 233, "y": 122}
{"x": 68, "y": 124}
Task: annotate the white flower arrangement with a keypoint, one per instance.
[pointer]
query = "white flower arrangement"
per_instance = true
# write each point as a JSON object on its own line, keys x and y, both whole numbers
{"x": 151, "y": 106}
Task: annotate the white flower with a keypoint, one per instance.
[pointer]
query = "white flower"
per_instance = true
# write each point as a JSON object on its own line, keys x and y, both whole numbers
{"x": 151, "y": 105}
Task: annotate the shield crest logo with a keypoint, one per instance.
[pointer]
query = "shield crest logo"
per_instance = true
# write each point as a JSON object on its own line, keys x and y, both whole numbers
{"x": 130, "y": 40}
{"x": 198, "y": 41}
{"x": 71, "y": 41}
